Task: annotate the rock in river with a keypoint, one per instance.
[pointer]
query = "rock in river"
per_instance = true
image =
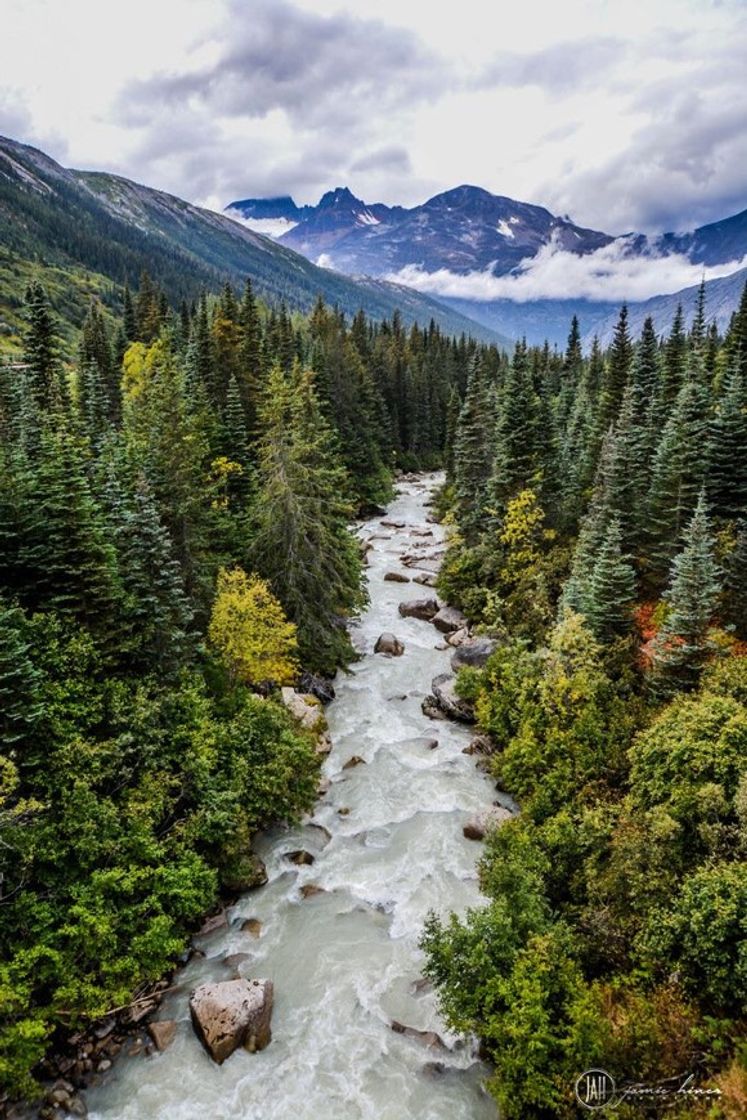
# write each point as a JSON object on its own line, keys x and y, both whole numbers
{"x": 396, "y": 577}
{"x": 477, "y": 826}
{"x": 389, "y": 645}
{"x": 473, "y": 652}
{"x": 231, "y": 1014}
{"x": 424, "y": 609}
{"x": 452, "y": 705}
{"x": 449, "y": 619}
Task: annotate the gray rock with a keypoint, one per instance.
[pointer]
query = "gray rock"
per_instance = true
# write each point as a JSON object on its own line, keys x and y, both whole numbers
{"x": 232, "y": 1014}
{"x": 163, "y": 1033}
{"x": 430, "y": 708}
{"x": 396, "y": 577}
{"x": 477, "y": 826}
{"x": 473, "y": 653}
{"x": 425, "y": 580}
{"x": 448, "y": 620}
{"x": 452, "y": 705}
{"x": 424, "y": 609}
{"x": 389, "y": 645}
{"x": 428, "y": 1038}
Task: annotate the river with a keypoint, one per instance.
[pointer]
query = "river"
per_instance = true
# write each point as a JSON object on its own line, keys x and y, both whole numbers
{"x": 346, "y": 963}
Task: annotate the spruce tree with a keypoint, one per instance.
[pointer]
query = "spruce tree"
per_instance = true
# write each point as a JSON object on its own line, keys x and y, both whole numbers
{"x": 682, "y": 645}
{"x": 301, "y": 543}
{"x": 727, "y": 458}
{"x": 736, "y": 582}
{"x": 609, "y": 595}
{"x": 617, "y": 370}
{"x": 156, "y": 615}
{"x": 40, "y": 349}
{"x": 473, "y": 450}
{"x": 679, "y": 472}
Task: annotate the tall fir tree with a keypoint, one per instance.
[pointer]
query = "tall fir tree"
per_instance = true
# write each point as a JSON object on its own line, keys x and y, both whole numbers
{"x": 682, "y": 646}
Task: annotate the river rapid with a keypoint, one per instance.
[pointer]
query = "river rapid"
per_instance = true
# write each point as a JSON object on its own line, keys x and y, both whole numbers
{"x": 346, "y": 963}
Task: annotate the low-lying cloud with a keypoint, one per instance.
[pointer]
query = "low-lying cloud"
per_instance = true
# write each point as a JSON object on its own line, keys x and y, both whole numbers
{"x": 611, "y": 273}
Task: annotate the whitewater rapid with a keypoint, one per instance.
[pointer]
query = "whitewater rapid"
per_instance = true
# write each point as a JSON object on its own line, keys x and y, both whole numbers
{"x": 346, "y": 963}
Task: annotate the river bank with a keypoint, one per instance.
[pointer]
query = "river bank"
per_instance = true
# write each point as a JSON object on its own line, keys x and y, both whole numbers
{"x": 356, "y": 1031}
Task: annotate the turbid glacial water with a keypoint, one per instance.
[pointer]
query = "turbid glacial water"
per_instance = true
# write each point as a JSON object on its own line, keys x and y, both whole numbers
{"x": 346, "y": 962}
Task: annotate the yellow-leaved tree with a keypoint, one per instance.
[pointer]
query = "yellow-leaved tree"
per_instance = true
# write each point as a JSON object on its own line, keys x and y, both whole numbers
{"x": 248, "y": 628}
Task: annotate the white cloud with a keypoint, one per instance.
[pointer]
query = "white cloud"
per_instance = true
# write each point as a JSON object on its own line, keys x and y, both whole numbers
{"x": 608, "y": 273}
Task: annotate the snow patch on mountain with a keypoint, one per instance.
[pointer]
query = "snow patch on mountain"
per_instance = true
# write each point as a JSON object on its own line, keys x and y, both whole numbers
{"x": 270, "y": 227}
{"x": 504, "y": 228}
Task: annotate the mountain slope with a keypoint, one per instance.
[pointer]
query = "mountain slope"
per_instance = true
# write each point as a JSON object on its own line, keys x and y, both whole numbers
{"x": 722, "y": 298}
{"x": 108, "y": 229}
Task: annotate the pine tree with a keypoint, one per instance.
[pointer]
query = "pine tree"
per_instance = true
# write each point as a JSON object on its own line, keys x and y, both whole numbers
{"x": 71, "y": 562}
{"x": 610, "y": 593}
{"x": 679, "y": 472}
{"x": 452, "y": 426}
{"x": 473, "y": 450}
{"x": 727, "y": 458}
{"x": 517, "y": 436}
{"x": 156, "y": 615}
{"x": 617, "y": 370}
{"x": 21, "y": 703}
{"x": 40, "y": 348}
{"x": 301, "y": 543}
{"x": 736, "y": 582}
{"x": 682, "y": 645}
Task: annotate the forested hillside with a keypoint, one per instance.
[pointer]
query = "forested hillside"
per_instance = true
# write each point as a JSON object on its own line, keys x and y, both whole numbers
{"x": 174, "y": 545}
{"x": 599, "y": 506}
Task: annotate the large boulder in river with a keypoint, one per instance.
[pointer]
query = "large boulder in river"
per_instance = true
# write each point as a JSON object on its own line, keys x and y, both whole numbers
{"x": 396, "y": 577}
{"x": 444, "y": 691}
{"x": 477, "y": 827}
{"x": 419, "y": 608}
{"x": 389, "y": 645}
{"x": 231, "y": 1014}
{"x": 473, "y": 653}
{"x": 449, "y": 619}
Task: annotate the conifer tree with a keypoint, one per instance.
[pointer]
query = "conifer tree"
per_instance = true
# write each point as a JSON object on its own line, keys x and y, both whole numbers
{"x": 610, "y": 592}
{"x": 617, "y": 370}
{"x": 301, "y": 543}
{"x": 727, "y": 459}
{"x": 679, "y": 472}
{"x": 156, "y": 615}
{"x": 736, "y": 582}
{"x": 452, "y": 427}
{"x": 517, "y": 432}
{"x": 473, "y": 449}
{"x": 21, "y": 704}
{"x": 40, "y": 348}
{"x": 682, "y": 645}
{"x": 674, "y": 367}
{"x": 70, "y": 559}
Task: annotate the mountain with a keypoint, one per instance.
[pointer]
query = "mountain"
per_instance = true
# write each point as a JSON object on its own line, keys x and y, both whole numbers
{"x": 722, "y": 298}
{"x": 464, "y": 230}
{"x": 470, "y": 231}
{"x": 85, "y": 233}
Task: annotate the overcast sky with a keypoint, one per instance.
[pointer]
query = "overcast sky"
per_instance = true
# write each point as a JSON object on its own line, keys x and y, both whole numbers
{"x": 625, "y": 114}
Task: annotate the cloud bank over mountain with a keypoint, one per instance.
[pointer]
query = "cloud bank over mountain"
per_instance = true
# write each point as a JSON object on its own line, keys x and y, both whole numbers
{"x": 606, "y": 274}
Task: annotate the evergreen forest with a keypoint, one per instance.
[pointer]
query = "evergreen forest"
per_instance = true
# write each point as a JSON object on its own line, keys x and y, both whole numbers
{"x": 175, "y": 507}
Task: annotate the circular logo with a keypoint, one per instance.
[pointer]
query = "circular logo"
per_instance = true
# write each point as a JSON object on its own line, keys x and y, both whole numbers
{"x": 595, "y": 1088}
